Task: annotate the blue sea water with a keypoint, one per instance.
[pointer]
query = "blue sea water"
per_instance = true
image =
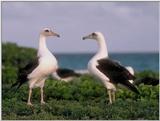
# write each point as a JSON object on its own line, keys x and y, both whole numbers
{"x": 139, "y": 61}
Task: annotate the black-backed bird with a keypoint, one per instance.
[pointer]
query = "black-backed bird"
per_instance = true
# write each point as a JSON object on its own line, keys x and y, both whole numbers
{"x": 109, "y": 71}
{"x": 37, "y": 71}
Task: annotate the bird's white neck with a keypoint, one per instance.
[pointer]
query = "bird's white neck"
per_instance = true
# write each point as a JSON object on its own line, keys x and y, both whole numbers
{"x": 102, "y": 52}
{"x": 42, "y": 46}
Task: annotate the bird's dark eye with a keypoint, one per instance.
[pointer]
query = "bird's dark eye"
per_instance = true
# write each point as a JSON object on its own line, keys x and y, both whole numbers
{"x": 94, "y": 34}
{"x": 46, "y": 30}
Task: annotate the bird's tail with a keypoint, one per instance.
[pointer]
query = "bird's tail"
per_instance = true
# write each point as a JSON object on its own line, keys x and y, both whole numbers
{"x": 13, "y": 89}
{"x": 16, "y": 85}
{"x": 22, "y": 78}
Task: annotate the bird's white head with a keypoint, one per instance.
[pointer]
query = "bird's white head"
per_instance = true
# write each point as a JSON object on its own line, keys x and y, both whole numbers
{"x": 95, "y": 35}
{"x": 48, "y": 32}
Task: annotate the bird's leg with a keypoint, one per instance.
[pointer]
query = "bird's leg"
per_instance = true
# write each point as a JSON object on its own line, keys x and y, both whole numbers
{"x": 110, "y": 96}
{"x": 114, "y": 96}
{"x": 29, "y": 97}
{"x": 42, "y": 100}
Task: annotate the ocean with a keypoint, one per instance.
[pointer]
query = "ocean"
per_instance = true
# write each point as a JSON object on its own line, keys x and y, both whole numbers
{"x": 139, "y": 61}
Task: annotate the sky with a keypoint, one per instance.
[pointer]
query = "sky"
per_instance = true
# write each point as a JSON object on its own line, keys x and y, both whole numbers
{"x": 126, "y": 26}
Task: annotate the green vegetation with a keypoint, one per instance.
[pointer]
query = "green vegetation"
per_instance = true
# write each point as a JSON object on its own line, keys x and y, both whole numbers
{"x": 82, "y": 98}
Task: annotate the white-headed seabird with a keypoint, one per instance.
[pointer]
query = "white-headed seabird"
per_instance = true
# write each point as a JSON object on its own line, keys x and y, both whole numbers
{"x": 110, "y": 72}
{"x": 37, "y": 71}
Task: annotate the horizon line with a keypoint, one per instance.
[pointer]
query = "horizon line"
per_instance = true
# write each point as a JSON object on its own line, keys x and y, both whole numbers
{"x": 89, "y": 52}
{"x": 139, "y": 52}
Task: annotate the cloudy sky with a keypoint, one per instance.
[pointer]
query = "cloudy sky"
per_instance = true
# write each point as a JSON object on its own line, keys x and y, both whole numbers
{"x": 127, "y": 26}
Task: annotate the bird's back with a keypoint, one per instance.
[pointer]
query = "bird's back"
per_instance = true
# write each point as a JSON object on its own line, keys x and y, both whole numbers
{"x": 116, "y": 73}
{"x": 114, "y": 70}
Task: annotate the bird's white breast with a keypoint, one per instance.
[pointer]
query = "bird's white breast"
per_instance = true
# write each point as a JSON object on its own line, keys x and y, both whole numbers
{"x": 92, "y": 67}
{"x": 47, "y": 65}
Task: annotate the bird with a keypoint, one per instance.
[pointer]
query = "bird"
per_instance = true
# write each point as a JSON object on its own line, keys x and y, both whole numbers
{"x": 109, "y": 71}
{"x": 37, "y": 70}
{"x": 65, "y": 74}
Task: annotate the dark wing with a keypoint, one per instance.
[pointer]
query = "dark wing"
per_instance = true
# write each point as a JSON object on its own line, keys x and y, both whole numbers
{"x": 64, "y": 73}
{"x": 29, "y": 67}
{"x": 23, "y": 72}
{"x": 116, "y": 73}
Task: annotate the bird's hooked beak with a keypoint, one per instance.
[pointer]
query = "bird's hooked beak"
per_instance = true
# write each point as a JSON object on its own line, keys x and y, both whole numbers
{"x": 55, "y": 34}
{"x": 87, "y": 37}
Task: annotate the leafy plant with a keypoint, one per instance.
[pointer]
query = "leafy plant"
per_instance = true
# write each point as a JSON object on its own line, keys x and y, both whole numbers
{"x": 83, "y": 98}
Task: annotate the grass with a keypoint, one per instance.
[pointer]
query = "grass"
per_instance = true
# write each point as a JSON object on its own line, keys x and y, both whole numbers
{"x": 82, "y": 98}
